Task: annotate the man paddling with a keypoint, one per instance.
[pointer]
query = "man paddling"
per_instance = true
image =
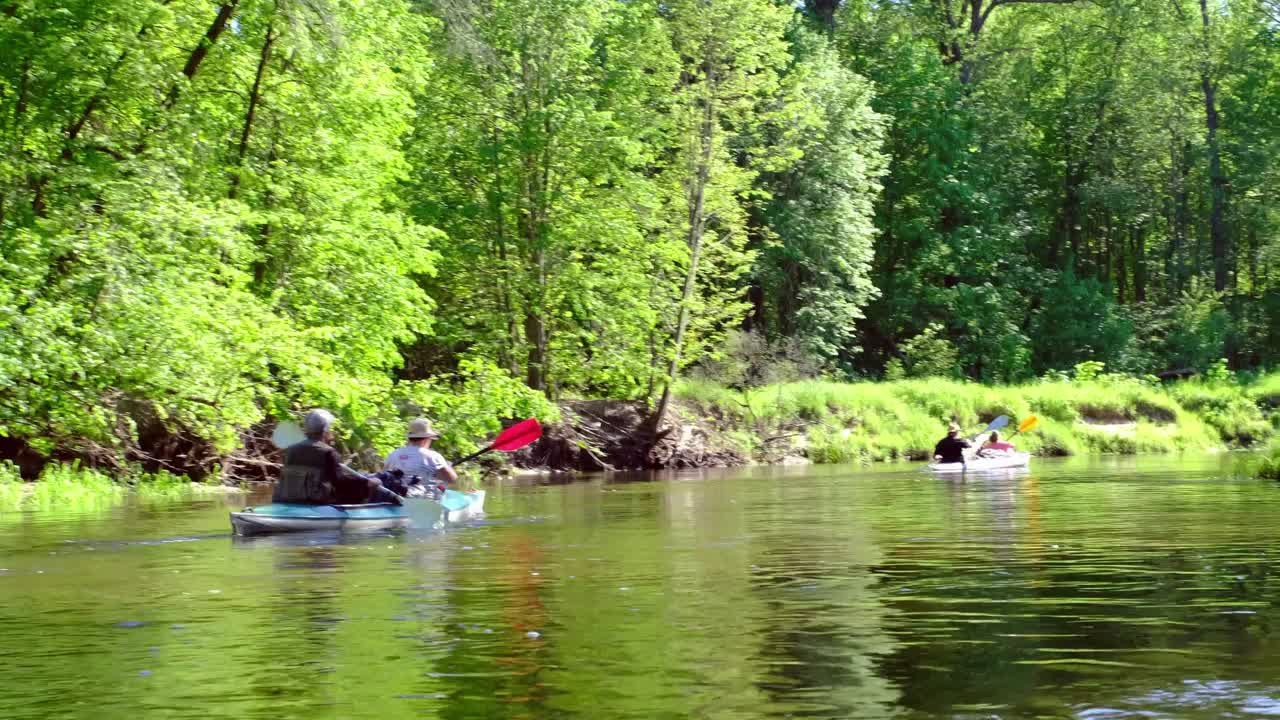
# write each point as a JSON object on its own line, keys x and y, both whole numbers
{"x": 417, "y": 457}
{"x": 313, "y": 473}
{"x": 950, "y": 449}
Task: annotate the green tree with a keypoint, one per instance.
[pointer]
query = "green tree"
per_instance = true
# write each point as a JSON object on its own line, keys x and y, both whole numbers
{"x": 733, "y": 53}
{"x": 814, "y": 267}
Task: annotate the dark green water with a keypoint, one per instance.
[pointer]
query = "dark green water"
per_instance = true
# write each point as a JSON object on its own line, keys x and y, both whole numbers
{"x": 1096, "y": 589}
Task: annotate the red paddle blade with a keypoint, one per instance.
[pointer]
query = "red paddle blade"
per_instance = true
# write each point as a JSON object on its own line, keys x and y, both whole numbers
{"x": 518, "y": 435}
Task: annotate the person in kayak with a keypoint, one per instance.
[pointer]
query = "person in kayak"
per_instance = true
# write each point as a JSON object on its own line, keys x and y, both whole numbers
{"x": 417, "y": 457}
{"x": 993, "y": 446}
{"x": 950, "y": 449}
{"x": 313, "y": 473}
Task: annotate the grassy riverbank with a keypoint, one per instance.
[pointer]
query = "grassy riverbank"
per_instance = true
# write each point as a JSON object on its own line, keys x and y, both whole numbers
{"x": 71, "y": 486}
{"x": 822, "y": 422}
{"x": 829, "y": 422}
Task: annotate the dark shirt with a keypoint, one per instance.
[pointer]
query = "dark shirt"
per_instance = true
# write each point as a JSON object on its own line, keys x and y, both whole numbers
{"x": 951, "y": 449}
{"x": 313, "y": 475}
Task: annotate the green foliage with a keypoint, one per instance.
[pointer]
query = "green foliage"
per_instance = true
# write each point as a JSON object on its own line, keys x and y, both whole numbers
{"x": 815, "y": 259}
{"x": 468, "y": 404}
{"x": 182, "y": 256}
{"x": 930, "y": 354}
{"x": 1265, "y": 391}
{"x": 749, "y": 360}
{"x": 1269, "y": 467}
{"x": 1230, "y": 411}
{"x": 1188, "y": 332}
{"x": 1077, "y": 321}
{"x": 1218, "y": 372}
{"x": 1088, "y": 370}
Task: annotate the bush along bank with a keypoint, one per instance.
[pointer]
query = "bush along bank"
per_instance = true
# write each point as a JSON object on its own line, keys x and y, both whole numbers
{"x": 1269, "y": 467}
{"x": 830, "y": 422}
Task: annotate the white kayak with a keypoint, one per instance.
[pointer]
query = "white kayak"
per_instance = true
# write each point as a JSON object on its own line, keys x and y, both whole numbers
{"x": 983, "y": 464}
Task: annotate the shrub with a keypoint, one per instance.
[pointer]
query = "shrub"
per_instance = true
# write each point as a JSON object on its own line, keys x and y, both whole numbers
{"x": 1269, "y": 468}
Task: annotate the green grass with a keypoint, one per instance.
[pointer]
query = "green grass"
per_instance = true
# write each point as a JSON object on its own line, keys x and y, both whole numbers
{"x": 1233, "y": 412}
{"x": 850, "y": 422}
{"x": 1269, "y": 467}
{"x": 1265, "y": 392}
{"x": 71, "y": 486}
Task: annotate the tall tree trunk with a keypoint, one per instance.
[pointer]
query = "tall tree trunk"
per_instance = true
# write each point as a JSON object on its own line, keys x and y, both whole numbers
{"x": 1197, "y": 261}
{"x": 824, "y": 11}
{"x": 201, "y": 50}
{"x": 1180, "y": 240}
{"x": 35, "y": 184}
{"x": 507, "y": 354}
{"x": 531, "y": 233}
{"x": 1217, "y": 181}
{"x": 1140, "y": 264}
{"x": 1122, "y": 267}
{"x": 263, "y": 262}
{"x": 255, "y": 96}
{"x": 655, "y": 358}
{"x": 697, "y": 224}
{"x": 1253, "y": 261}
{"x": 1068, "y": 234}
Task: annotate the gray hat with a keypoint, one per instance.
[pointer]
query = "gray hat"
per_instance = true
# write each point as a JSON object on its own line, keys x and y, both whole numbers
{"x": 421, "y": 428}
{"x": 317, "y": 422}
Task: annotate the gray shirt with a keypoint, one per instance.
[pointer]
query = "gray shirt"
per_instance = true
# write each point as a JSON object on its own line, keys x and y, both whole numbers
{"x": 415, "y": 460}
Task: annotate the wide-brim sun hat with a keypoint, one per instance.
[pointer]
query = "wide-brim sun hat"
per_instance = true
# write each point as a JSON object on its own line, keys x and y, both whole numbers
{"x": 421, "y": 429}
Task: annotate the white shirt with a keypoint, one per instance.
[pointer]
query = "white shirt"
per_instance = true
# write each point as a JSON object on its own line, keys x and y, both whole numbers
{"x": 416, "y": 460}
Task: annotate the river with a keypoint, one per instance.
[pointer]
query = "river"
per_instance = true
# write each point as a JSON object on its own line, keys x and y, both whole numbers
{"x": 1088, "y": 588}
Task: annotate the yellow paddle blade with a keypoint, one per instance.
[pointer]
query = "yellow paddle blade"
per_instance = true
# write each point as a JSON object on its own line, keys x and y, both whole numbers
{"x": 1028, "y": 423}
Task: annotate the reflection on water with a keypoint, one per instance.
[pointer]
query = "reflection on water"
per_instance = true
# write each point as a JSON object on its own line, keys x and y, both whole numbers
{"x": 1101, "y": 589}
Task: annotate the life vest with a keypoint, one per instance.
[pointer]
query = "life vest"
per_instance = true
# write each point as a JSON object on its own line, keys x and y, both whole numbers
{"x": 307, "y": 475}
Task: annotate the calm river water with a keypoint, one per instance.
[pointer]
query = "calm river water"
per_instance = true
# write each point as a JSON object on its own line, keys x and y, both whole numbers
{"x": 1106, "y": 588}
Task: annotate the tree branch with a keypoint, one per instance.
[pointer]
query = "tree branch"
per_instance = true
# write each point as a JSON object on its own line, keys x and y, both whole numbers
{"x": 997, "y": 3}
{"x": 202, "y": 49}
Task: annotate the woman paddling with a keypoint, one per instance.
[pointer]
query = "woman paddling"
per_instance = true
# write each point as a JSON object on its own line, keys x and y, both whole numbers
{"x": 993, "y": 446}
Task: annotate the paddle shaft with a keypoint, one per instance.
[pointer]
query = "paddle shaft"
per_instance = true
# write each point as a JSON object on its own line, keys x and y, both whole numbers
{"x": 473, "y": 455}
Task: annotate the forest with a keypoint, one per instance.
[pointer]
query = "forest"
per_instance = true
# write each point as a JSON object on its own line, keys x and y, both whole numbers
{"x": 218, "y": 212}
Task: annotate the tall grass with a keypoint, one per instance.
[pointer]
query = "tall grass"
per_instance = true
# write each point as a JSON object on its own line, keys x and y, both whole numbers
{"x": 1265, "y": 392}
{"x": 1269, "y": 467}
{"x": 843, "y": 422}
{"x": 72, "y": 486}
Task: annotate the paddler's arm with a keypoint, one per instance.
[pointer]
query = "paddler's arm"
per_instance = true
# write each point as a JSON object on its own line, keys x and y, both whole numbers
{"x": 449, "y": 473}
